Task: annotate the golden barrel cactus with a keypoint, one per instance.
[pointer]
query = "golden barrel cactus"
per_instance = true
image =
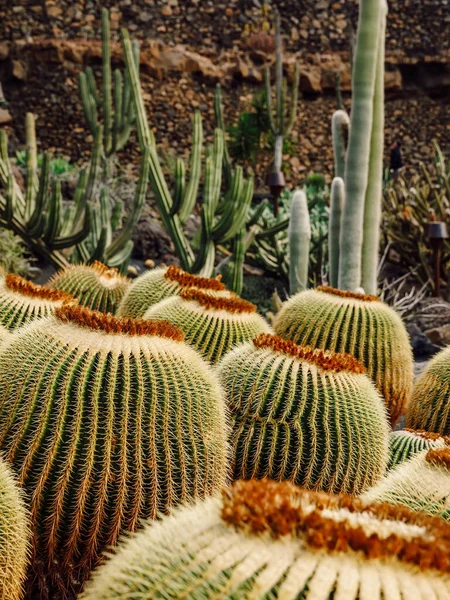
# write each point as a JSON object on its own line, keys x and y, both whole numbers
{"x": 405, "y": 443}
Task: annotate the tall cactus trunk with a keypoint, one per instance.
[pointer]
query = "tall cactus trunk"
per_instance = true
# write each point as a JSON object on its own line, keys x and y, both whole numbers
{"x": 299, "y": 240}
{"x": 374, "y": 192}
{"x": 334, "y": 228}
{"x": 340, "y": 125}
{"x": 358, "y": 151}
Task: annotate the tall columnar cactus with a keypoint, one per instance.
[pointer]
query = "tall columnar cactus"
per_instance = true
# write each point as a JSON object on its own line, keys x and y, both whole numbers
{"x": 421, "y": 483}
{"x": 363, "y": 152}
{"x": 95, "y": 286}
{"x": 14, "y": 536}
{"x": 161, "y": 283}
{"x": 265, "y": 539}
{"x": 340, "y": 125}
{"x": 299, "y": 234}
{"x": 126, "y": 422}
{"x": 212, "y": 324}
{"x": 337, "y": 199}
{"x": 356, "y": 324}
{"x": 116, "y": 103}
{"x": 23, "y": 302}
{"x": 304, "y": 415}
{"x": 223, "y": 215}
{"x": 405, "y": 443}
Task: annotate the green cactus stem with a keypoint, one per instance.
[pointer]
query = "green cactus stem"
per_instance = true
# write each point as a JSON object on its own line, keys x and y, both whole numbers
{"x": 299, "y": 234}
{"x": 340, "y": 125}
{"x": 337, "y": 199}
{"x": 405, "y": 443}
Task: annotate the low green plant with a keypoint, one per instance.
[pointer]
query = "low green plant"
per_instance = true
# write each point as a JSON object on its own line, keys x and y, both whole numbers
{"x": 58, "y": 165}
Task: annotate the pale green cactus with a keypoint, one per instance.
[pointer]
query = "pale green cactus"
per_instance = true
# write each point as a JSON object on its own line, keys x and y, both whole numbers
{"x": 337, "y": 199}
{"x": 299, "y": 234}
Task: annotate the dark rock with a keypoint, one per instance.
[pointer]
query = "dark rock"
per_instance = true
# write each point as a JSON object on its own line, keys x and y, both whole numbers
{"x": 420, "y": 342}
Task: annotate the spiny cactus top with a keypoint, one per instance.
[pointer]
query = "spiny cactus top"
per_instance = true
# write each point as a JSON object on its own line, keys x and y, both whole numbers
{"x": 96, "y": 286}
{"x": 22, "y": 301}
{"x": 429, "y": 407}
{"x": 212, "y": 324}
{"x": 306, "y": 415}
{"x": 272, "y": 540}
{"x": 14, "y": 536}
{"x": 358, "y": 324}
{"x": 421, "y": 483}
{"x": 106, "y": 421}
{"x": 161, "y": 283}
{"x": 405, "y": 443}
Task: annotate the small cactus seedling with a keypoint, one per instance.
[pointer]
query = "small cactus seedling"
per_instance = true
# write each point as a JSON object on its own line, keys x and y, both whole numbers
{"x": 421, "y": 483}
{"x": 96, "y": 286}
{"x": 357, "y": 324}
{"x": 14, "y": 537}
{"x": 265, "y": 539}
{"x": 212, "y": 324}
{"x": 304, "y": 415}
{"x": 161, "y": 283}
{"x": 22, "y": 301}
{"x": 429, "y": 407}
{"x": 107, "y": 421}
{"x": 406, "y": 443}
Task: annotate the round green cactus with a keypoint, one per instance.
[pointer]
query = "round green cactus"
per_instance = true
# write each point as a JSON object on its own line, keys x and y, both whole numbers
{"x": 161, "y": 283}
{"x": 14, "y": 536}
{"x": 356, "y": 324}
{"x": 405, "y": 443}
{"x": 304, "y": 415}
{"x": 421, "y": 483}
{"x": 22, "y": 302}
{"x": 212, "y": 324}
{"x": 429, "y": 407}
{"x": 265, "y": 539}
{"x": 106, "y": 421}
{"x": 96, "y": 286}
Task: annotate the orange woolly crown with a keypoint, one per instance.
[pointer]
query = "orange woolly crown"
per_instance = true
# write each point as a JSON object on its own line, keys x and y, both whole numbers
{"x": 269, "y": 506}
{"x": 439, "y": 457}
{"x": 22, "y": 286}
{"x": 326, "y": 359}
{"x": 232, "y": 304}
{"x": 187, "y": 280}
{"x": 93, "y": 319}
{"x": 428, "y": 435}
{"x": 345, "y": 294}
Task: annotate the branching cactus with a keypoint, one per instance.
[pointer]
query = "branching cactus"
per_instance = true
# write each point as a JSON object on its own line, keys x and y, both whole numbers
{"x": 115, "y": 102}
{"x": 127, "y": 421}
{"x": 303, "y": 415}
{"x": 429, "y": 407}
{"x": 14, "y": 536}
{"x": 421, "y": 484}
{"x": 95, "y": 286}
{"x": 212, "y": 324}
{"x": 404, "y": 444}
{"x": 359, "y": 325}
{"x": 23, "y": 302}
{"x": 265, "y": 539}
{"x": 299, "y": 234}
{"x": 161, "y": 283}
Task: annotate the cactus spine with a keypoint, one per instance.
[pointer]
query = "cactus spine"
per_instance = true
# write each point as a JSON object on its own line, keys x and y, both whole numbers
{"x": 359, "y": 325}
{"x": 299, "y": 234}
{"x": 212, "y": 324}
{"x": 340, "y": 124}
{"x": 429, "y": 407}
{"x": 161, "y": 283}
{"x": 14, "y": 536}
{"x": 94, "y": 286}
{"x": 264, "y": 539}
{"x": 296, "y": 416}
{"x": 127, "y": 420}
{"x": 337, "y": 200}
{"x": 421, "y": 484}
{"x": 406, "y": 443}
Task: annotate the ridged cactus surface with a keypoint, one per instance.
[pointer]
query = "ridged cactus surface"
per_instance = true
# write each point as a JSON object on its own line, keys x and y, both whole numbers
{"x": 161, "y": 283}
{"x": 421, "y": 483}
{"x": 304, "y": 415}
{"x": 429, "y": 407}
{"x": 22, "y": 301}
{"x": 106, "y": 421}
{"x": 356, "y": 324}
{"x": 14, "y": 536}
{"x": 266, "y": 540}
{"x": 96, "y": 286}
{"x": 212, "y": 324}
{"x": 405, "y": 443}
